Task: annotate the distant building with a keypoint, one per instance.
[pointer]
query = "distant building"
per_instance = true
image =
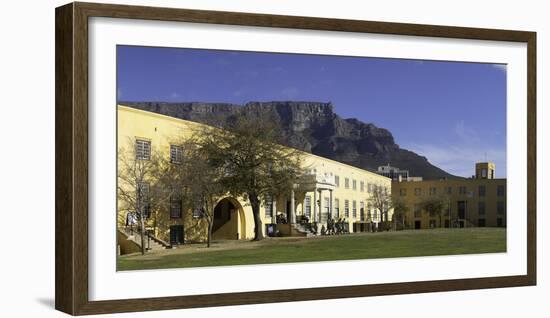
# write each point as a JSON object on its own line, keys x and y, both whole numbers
{"x": 479, "y": 201}
{"x": 396, "y": 174}
{"x": 485, "y": 170}
{"x": 393, "y": 172}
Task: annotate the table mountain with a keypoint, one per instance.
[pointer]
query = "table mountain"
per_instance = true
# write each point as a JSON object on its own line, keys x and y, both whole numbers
{"x": 313, "y": 127}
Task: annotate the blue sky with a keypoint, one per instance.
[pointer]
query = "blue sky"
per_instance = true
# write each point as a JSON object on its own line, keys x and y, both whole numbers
{"x": 451, "y": 112}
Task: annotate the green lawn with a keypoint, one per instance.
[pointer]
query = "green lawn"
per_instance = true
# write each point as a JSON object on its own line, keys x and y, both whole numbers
{"x": 342, "y": 247}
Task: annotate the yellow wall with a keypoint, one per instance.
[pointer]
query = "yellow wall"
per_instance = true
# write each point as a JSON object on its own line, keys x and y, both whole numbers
{"x": 408, "y": 192}
{"x": 160, "y": 130}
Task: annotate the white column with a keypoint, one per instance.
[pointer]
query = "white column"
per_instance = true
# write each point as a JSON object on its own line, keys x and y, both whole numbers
{"x": 320, "y": 205}
{"x": 292, "y": 207}
{"x": 330, "y": 203}
{"x": 274, "y": 212}
{"x": 314, "y": 218}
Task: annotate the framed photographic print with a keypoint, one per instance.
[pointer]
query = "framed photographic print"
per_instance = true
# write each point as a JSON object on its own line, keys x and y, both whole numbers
{"x": 287, "y": 158}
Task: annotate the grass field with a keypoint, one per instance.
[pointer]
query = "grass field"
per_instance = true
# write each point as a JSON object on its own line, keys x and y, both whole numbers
{"x": 329, "y": 248}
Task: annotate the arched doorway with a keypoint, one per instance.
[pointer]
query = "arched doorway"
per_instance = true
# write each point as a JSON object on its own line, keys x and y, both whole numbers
{"x": 229, "y": 220}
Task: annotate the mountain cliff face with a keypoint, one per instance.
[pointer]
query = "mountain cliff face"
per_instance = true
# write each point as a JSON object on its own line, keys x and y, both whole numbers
{"x": 312, "y": 127}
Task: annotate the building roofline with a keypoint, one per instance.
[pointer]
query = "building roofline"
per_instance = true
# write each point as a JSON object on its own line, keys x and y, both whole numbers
{"x": 179, "y": 120}
{"x": 453, "y": 180}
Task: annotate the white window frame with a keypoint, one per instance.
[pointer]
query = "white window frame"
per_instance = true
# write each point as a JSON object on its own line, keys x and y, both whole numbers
{"x": 143, "y": 149}
{"x": 176, "y": 154}
{"x": 346, "y": 208}
{"x": 307, "y": 206}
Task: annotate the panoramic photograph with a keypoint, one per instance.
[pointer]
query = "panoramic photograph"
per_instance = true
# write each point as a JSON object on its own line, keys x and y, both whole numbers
{"x": 240, "y": 158}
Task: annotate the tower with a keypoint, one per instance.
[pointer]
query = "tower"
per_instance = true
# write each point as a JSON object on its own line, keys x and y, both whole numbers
{"x": 485, "y": 170}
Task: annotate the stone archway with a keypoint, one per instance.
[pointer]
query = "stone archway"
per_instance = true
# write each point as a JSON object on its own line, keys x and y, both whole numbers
{"x": 229, "y": 220}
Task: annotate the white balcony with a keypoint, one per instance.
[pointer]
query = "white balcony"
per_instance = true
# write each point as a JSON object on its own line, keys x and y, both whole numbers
{"x": 311, "y": 181}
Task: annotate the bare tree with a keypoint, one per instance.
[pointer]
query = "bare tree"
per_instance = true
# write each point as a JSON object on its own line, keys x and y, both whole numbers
{"x": 381, "y": 200}
{"x": 254, "y": 164}
{"x": 199, "y": 180}
{"x": 141, "y": 175}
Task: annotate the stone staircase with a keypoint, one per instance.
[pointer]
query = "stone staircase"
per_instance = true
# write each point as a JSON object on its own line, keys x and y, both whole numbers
{"x": 152, "y": 243}
{"x": 302, "y": 229}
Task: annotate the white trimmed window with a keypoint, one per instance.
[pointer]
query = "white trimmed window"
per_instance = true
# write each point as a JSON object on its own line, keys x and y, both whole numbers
{"x": 143, "y": 149}
{"x": 369, "y": 214}
{"x": 307, "y": 205}
{"x": 176, "y": 154}
{"x": 326, "y": 207}
{"x": 346, "y": 208}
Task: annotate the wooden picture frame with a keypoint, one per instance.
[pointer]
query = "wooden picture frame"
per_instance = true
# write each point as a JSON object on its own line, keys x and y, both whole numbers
{"x": 72, "y": 279}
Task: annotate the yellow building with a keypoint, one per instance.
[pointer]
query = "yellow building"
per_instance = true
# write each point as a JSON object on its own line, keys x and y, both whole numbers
{"x": 479, "y": 201}
{"x": 330, "y": 189}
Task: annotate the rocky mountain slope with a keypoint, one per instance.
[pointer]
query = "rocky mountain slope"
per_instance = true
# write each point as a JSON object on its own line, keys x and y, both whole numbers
{"x": 313, "y": 127}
